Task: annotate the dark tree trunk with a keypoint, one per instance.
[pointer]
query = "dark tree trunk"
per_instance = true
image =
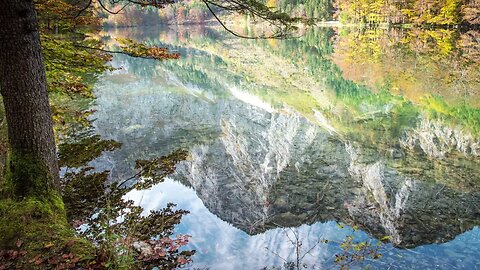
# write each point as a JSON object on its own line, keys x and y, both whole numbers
{"x": 33, "y": 167}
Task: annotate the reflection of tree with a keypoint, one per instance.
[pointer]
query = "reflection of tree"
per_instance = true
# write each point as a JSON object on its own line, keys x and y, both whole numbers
{"x": 414, "y": 62}
{"x": 470, "y": 46}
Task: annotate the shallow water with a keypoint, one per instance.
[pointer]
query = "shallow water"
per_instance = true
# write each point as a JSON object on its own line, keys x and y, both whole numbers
{"x": 297, "y": 139}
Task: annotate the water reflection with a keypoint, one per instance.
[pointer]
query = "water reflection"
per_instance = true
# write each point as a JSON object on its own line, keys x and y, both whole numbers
{"x": 277, "y": 141}
{"x": 414, "y": 62}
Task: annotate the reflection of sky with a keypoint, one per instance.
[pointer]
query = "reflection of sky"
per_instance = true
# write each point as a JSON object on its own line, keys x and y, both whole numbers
{"x": 219, "y": 245}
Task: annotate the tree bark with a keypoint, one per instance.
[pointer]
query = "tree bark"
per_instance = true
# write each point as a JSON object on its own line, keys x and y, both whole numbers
{"x": 33, "y": 167}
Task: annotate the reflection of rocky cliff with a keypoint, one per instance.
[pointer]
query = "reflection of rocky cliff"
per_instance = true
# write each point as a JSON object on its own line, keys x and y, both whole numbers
{"x": 437, "y": 140}
{"x": 260, "y": 168}
{"x": 269, "y": 170}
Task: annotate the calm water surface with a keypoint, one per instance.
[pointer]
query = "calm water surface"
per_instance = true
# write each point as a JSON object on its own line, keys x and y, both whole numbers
{"x": 306, "y": 137}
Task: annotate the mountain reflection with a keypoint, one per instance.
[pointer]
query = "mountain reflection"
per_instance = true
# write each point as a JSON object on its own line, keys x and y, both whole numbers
{"x": 261, "y": 160}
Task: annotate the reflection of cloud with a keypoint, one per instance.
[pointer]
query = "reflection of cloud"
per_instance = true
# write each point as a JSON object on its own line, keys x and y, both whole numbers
{"x": 219, "y": 245}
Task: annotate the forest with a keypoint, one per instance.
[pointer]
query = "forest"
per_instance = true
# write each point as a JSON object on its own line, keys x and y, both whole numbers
{"x": 420, "y": 13}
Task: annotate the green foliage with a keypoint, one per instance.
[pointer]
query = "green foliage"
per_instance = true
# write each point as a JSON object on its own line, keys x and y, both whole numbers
{"x": 155, "y": 170}
{"x": 429, "y": 12}
{"x": 70, "y": 69}
{"x": 127, "y": 237}
{"x": 136, "y": 49}
{"x": 78, "y": 153}
{"x": 463, "y": 115}
{"x": 355, "y": 252}
{"x": 82, "y": 192}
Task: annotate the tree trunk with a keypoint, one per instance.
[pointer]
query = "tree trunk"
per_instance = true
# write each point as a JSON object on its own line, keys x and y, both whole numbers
{"x": 33, "y": 167}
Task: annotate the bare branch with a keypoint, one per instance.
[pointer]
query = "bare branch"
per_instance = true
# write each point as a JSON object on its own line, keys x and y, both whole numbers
{"x": 110, "y": 11}
{"x": 207, "y": 3}
{"x": 83, "y": 9}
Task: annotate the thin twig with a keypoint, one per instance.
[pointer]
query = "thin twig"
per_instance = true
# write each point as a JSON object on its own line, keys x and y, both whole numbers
{"x": 207, "y": 3}
{"x": 83, "y": 9}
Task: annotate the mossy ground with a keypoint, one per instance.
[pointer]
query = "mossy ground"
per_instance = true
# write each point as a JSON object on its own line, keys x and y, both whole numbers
{"x": 36, "y": 235}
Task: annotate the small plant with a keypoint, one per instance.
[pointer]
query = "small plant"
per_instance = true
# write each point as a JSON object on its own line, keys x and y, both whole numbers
{"x": 353, "y": 252}
{"x": 299, "y": 251}
{"x": 357, "y": 251}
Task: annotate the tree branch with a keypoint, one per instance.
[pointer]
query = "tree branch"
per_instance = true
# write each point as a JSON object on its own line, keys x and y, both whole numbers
{"x": 83, "y": 9}
{"x": 109, "y": 11}
{"x": 206, "y": 2}
{"x": 109, "y": 51}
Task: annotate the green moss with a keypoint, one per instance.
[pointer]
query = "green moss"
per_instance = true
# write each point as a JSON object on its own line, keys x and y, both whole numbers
{"x": 40, "y": 225}
{"x": 79, "y": 153}
{"x": 27, "y": 176}
{"x": 32, "y": 220}
{"x": 35, "y": 223}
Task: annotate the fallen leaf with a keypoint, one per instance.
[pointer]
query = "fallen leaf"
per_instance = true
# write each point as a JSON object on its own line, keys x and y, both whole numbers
{"x": 19, "y": 243}
{"x": 70, "y": 243}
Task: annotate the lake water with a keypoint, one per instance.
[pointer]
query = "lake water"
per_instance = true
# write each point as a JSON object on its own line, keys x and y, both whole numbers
{"x": 303, "y": 140}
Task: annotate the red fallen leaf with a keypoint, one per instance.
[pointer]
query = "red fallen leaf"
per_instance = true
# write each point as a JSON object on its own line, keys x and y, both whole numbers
{"x": 70, "y": 243}
{"x": 38, "y": 261}
{"x": 19, "y": 243}
{"x": 67, "y": 256}
{"x": 182, "y": 260}
{"x": 52, "y": 260}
